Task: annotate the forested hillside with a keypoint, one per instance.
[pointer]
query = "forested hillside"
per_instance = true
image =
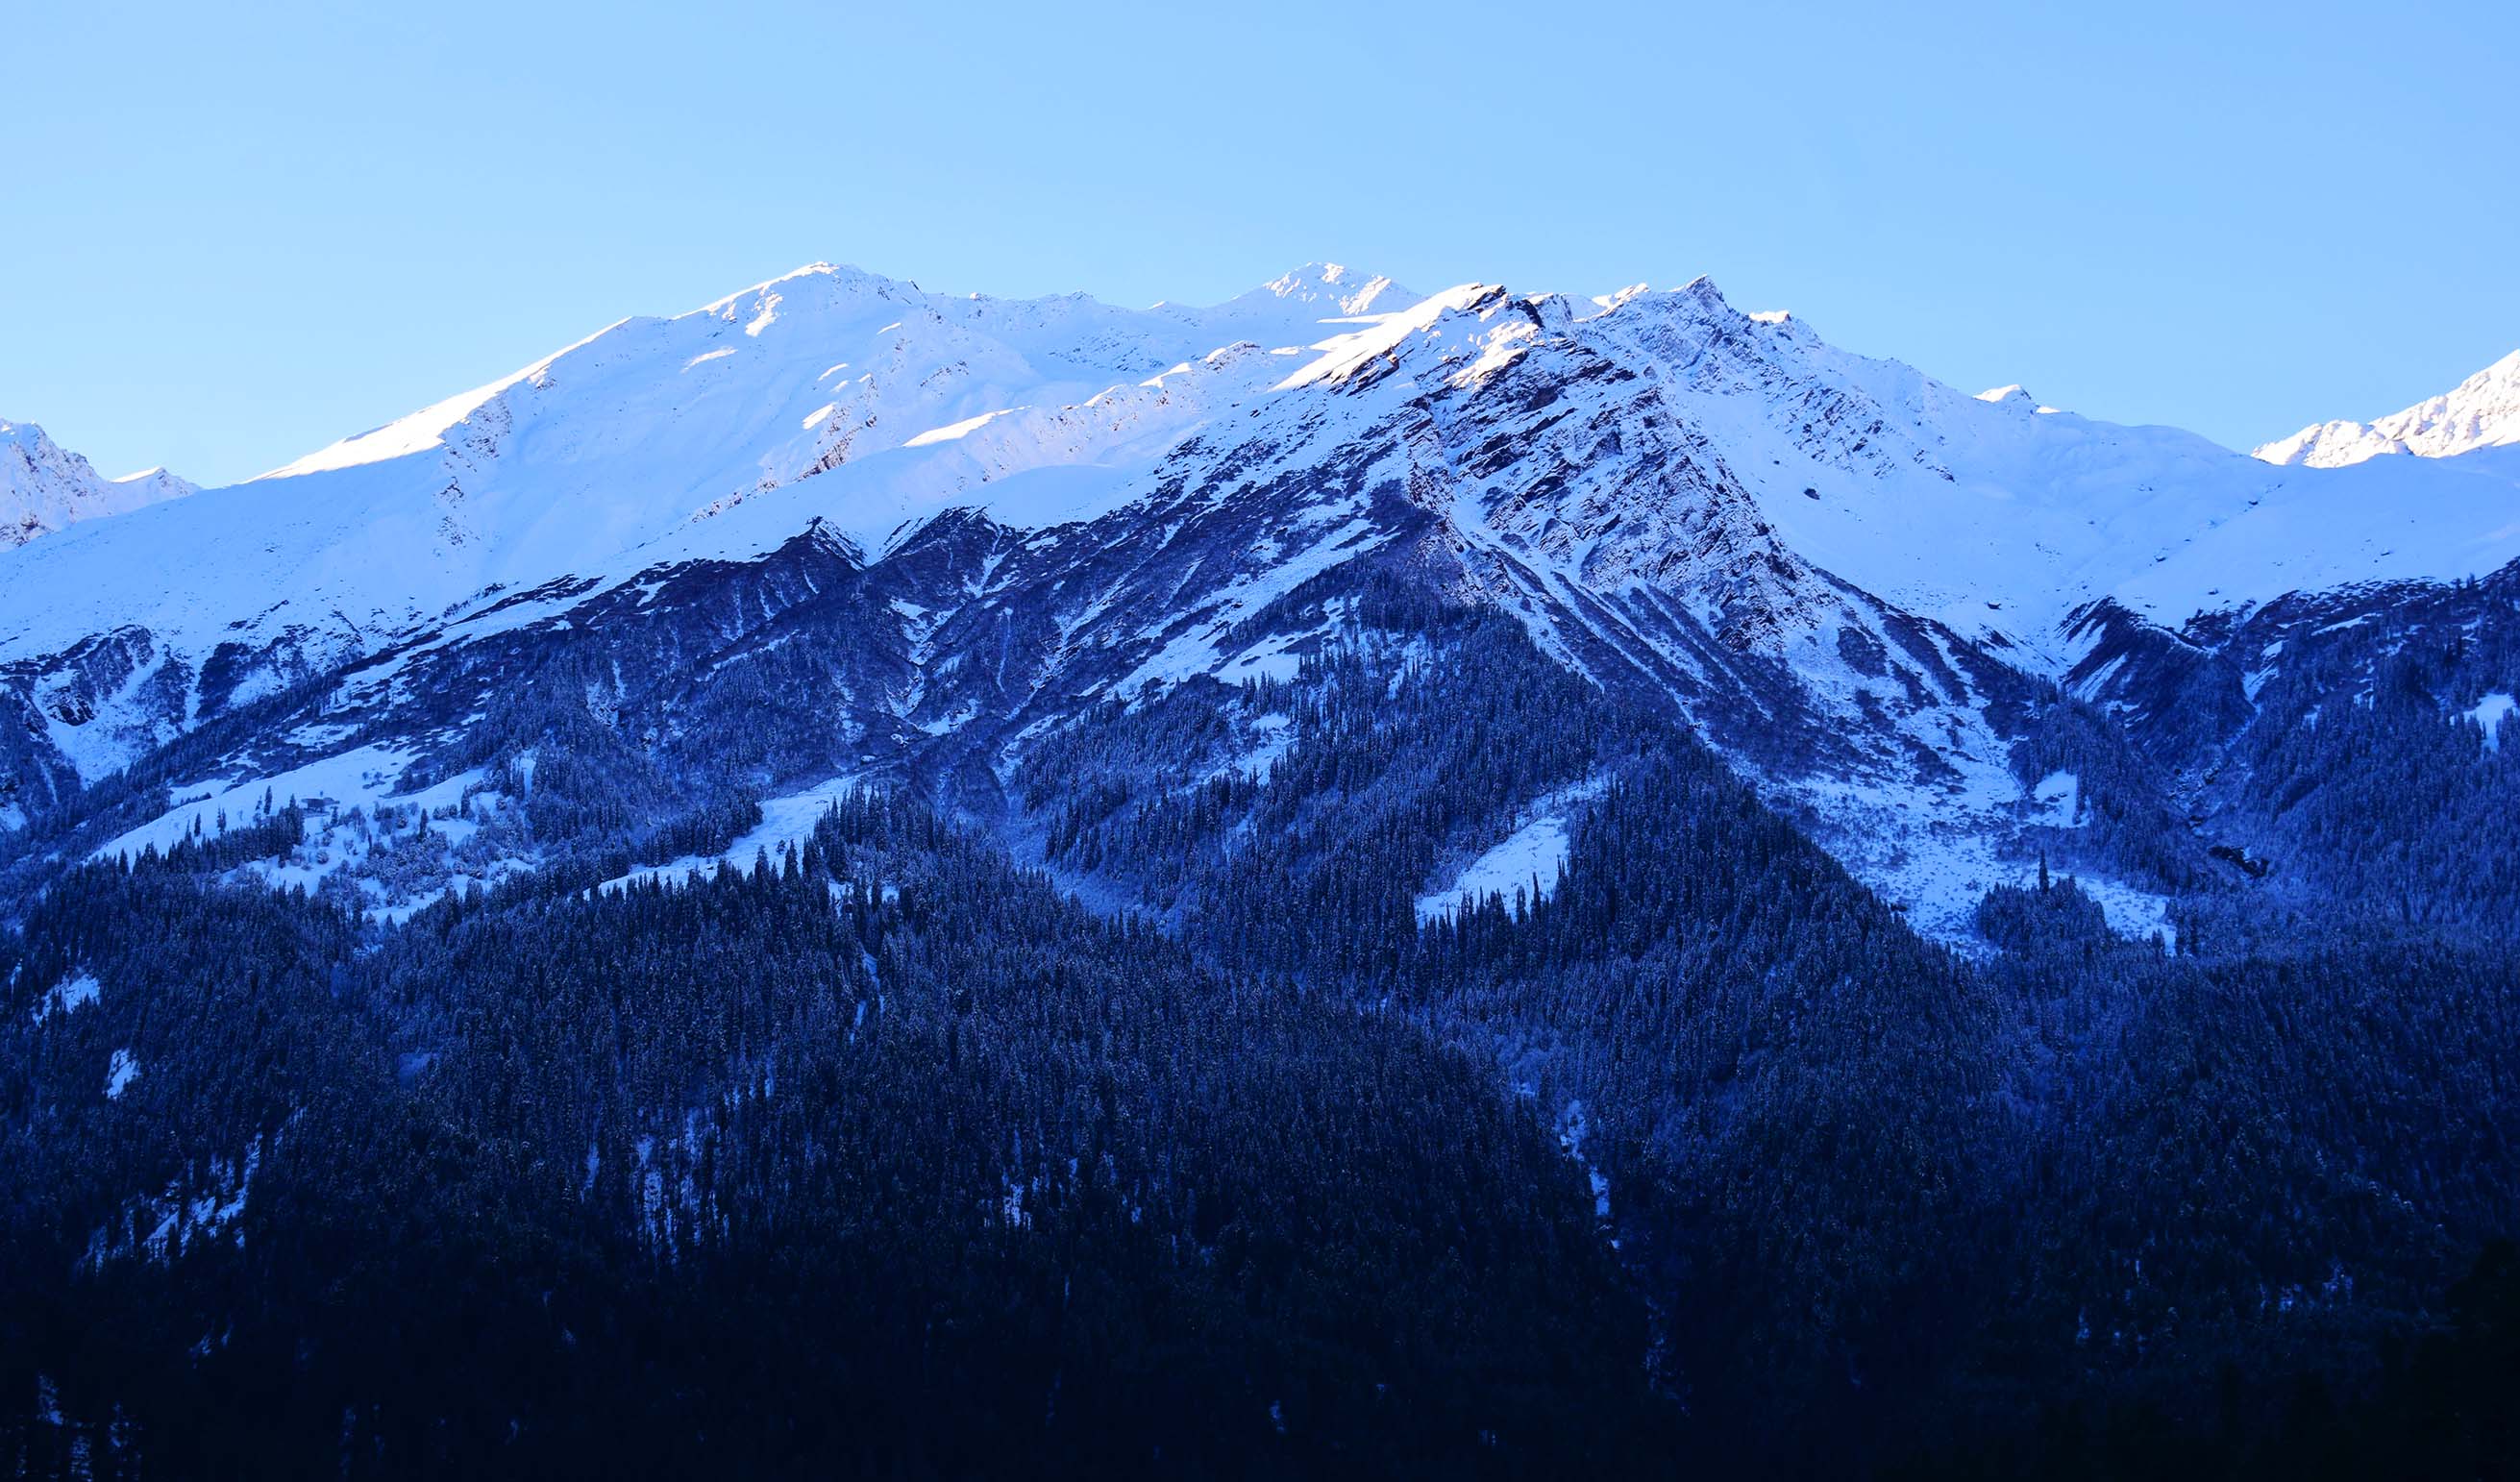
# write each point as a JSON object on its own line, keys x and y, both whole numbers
{"x": 1234, "y": 1144}
{"x": 861, "y": 881}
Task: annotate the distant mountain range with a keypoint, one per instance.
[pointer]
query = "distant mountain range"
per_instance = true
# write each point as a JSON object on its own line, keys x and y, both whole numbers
{"x": 861, "y": 881}
{"x": 1663, "y": 489}
{"x": 2484, "y": 412}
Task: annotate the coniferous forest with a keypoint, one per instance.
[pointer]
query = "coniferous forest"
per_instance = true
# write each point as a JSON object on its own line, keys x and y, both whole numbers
{"x": 1121, "y": 1113}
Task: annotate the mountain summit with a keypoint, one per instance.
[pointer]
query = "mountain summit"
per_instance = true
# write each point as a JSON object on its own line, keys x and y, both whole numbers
{"x": 1330, "y": 283}
{"x": 44, "y": 486}
{"x": 2482, "y": 412}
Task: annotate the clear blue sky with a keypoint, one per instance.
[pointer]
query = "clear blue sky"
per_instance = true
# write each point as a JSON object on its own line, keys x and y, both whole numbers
{"x": 236, "y": 237}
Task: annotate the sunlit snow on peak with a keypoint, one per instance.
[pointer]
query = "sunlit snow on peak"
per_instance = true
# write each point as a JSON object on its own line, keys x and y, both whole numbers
{"x": 45, "y": 487}
{"x": 1340, "y": 287}
{"x": 2481, "y": 412}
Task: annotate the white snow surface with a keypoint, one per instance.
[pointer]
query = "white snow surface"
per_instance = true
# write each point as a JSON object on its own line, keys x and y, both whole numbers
{"x": 354, "y": 806}
{"x": 2000, "y": 516}
{"x": 358, "y": 778}
{"x": 868, "y": 403}
{"x": 1524, "y": 863}
{"x": 1933, "y": 850}
{"x": 2062, "y": 793}
{"x": 68, "y": 994}
{"x": 2481, "y": 412}
{"x": 201, "y": 1206}
{"x": 786, "y": 823}
{"x": 1525, "y": 866}
{"x": 1572, "y": 1128}
{"x": 830, "y": 393}
{"x": 2488, "y": 713}
{"x": 119, "y": 1074}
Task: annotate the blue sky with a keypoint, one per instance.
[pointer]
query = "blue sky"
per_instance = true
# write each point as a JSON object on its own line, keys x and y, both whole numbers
{"x": 238, "y": 238}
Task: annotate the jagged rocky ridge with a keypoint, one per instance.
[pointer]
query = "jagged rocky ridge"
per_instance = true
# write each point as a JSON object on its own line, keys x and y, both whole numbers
{"x": 44, "y": 486}
{"x": 1855, "y": 582}
{"x": 2481, "y": 412}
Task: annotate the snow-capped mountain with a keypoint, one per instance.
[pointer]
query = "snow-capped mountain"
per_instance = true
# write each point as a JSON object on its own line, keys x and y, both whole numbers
{"x": 1344, "y": 881}
{"x": 959, "y": 525}
{"x": 656, "y": 425}
{"x": 1996, "y": 515}
{"x": 2482, "y": 412}
{"x": 44, "y": 486}
{"x": 1332, "y": 288}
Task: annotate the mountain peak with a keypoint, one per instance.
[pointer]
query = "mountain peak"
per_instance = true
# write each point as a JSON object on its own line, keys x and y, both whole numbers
{"x": 44, "y": 486}
{"x": 1700, "y": 301}
{"x": 2481, "y": 412}
{"x": 1353, "y": 292}
{"x": 838, "y": 278}
{"x": 1701, "y": 290}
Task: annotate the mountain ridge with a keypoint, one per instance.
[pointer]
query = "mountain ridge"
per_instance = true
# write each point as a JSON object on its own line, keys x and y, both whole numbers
{"x": 45, "y": 487}
{"x": 1664, "y": 490}
{"x": 2481, "y": 412}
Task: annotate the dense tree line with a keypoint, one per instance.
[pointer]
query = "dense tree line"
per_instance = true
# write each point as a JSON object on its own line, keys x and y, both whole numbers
{"x": 1881, "y": 1197}
{"x": 880, "y": 1157}
{"x": 885, "y": 1155}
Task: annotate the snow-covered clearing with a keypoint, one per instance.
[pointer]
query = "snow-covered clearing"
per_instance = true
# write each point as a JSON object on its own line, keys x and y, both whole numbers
{"x": 68, "y": 994}
{"x": 1523, "y": 864}
{"x": 357, "y": 777}
{"x": 2488, "y": 713}
{"x": 785, "y": 822}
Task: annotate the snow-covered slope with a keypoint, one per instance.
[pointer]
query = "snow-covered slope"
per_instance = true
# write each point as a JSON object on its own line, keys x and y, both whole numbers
{"x": 1995, "y": 515}
{"x": 44, "y": 486}
{"x": 2483, "y": 411}
{"x": 1999, "y": 515}
{"x": 652, "y": 424}
{"x": 1853, "y": 579}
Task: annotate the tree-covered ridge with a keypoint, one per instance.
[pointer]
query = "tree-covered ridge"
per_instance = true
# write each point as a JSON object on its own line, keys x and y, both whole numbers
{"x": 881, "y": 1157}
{"x": 1226, "y": 1127}
{"x": 1873, "y": 1190}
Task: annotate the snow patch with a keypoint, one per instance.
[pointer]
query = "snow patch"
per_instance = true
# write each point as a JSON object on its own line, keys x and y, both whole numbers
{"x": 67, "y": 996}
{"x": 2488, "y": 713}
{"x": 2061, "y": 793}
{"x": 1571, "y": 1131}
{"x": 957, "y": 430}
{"x": 1524, "y": 863}
{"x": 176, "y": 1218}
{"x": 364, "y": 775}
{"x": 786, "y": 823}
